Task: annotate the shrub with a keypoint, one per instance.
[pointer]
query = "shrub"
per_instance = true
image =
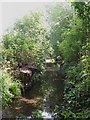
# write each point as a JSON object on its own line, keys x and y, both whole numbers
{"x": 9, "y": 87}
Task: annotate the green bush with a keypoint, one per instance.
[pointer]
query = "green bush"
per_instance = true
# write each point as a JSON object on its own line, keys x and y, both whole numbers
{"x": 75, "y": 50}
{"x": 26, "y": 43}
{"x": 9, "y": 87}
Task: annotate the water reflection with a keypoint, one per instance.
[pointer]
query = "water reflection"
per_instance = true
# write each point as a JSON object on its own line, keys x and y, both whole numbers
{"x": 52, "y": 88}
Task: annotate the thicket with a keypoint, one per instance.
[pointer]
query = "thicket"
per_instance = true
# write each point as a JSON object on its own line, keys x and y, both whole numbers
{"x": 28, "y": 43}
{"x": 59, "y": 16}
{"x": 24, "y": 44}
{"x": 74, "y": 48}
{"x": 9, "y": 87}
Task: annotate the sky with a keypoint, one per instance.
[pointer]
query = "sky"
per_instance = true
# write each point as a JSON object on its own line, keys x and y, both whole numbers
{"x": 11, "y": 10}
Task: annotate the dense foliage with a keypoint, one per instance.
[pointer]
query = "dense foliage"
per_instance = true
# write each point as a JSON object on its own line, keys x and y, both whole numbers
{"x": 74, "y": 47}
{"x": 59, "y": 18}
{"x": 9, "y": 87}
{"x": 69, "y": 36}
{"x": 24, "y": 44}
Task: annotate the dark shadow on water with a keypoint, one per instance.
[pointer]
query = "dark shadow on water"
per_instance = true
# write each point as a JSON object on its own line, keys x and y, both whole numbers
{"x": 44, "y": 97}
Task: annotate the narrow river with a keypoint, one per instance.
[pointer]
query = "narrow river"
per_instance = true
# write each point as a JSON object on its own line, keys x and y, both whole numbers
{"x": 41, "y": 100}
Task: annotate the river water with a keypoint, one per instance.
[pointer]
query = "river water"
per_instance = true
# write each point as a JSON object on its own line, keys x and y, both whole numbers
{"x": 40, "y": 101}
